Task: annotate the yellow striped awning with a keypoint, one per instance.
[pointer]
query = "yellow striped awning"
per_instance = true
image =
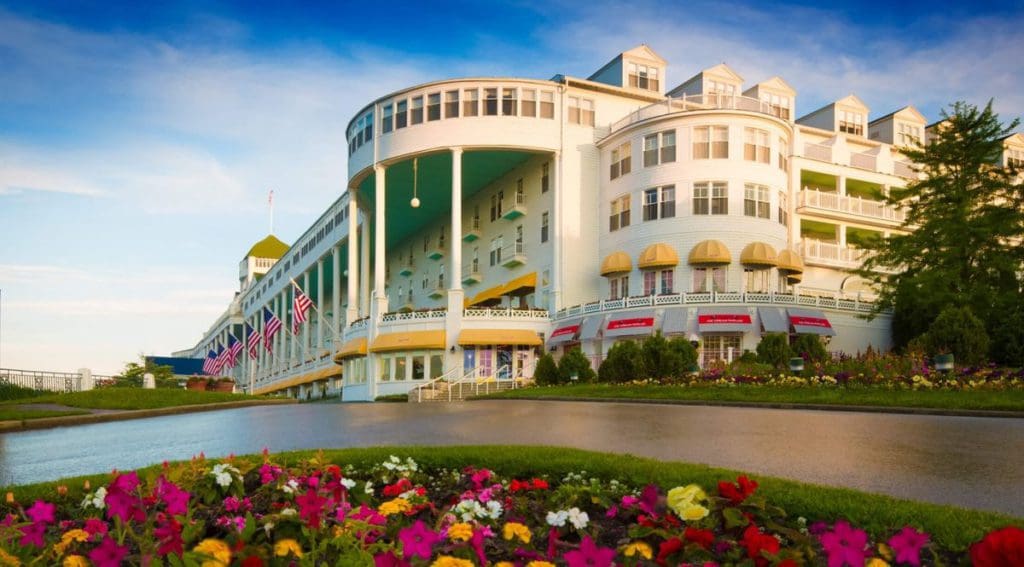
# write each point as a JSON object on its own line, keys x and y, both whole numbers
{"x": 484, "y": 337}
{"x": 790, "y": 261}
{"x": 795, "y": 277}
{"x": 658, "y": 256}
{"x": 710, "y": 252}
{"x": 354, "y": 347}
{"x": 489, "y": 294}
{"x": 616, "y": 263}
{"x": 411, "y": 340}
{"x": 529, "y": 281}
{"x": 314, "y": 376}
{"x": 758, "y": 254}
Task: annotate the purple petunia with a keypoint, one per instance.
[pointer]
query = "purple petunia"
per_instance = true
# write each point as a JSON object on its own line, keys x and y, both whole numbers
{"x": 590, "y": 555}
{"x": 907, "y": 544}
{"x": 845, "y": 545}
{"x": 418, "y": 541}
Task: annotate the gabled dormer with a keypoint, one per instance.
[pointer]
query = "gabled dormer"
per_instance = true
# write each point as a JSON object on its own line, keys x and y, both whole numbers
{"x": 779, "y": 97}
{"x": 719, "y": 79}
{"x": 1013, "y": 150}
{"x": 639, "y": 68}
{"x": 848, "y": 115}
{"x": 904, "y": 127}
{"x": 259, "y": 259}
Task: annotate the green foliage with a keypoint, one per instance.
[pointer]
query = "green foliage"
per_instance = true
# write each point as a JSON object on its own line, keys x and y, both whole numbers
{"x": 546, "y": 373}
{"x": 687, "y": 353}
{"x": 662, "y": 360}
{"x": 740, "y": 367}
{"x": 960, "y": 215}
{"x": 625, "y": 362}
{"x": 392, "y": 398}
{"x": 136, "y": 398}
{"x": 575, "y": 363}
{"x": 810, "y": 348}
{"x": 774, "y": 350}
{"x": 13, "y": 392}
{"x": 132, "y": 375}
{"x": 747, "y": 357}
{"x": 958, "y": 332}
{"x": 1007, "y": 333}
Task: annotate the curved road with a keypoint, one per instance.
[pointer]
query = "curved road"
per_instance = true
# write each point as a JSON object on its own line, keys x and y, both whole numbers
{"x": 966, "y": 461}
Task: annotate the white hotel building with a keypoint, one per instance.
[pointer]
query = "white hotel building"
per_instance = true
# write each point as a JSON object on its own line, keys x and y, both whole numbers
{"x": 569, "y": 212}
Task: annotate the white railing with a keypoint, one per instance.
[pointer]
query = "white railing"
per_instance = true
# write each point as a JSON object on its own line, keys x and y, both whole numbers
{"x": 831, "y": 254}
{"x": 505, "y": 313}
{"x": 432, "y": 385}
{"x": 49, "y": 381}
{"x": 903, "y": 169}
{"x": 691, "y": 103}
{"x": 261, "y": 263}
{"x": 852, "y": 205}
{"x": 818, "y": 151}
{"x": 863, "y": 160}
{"x": 413, "y": 315}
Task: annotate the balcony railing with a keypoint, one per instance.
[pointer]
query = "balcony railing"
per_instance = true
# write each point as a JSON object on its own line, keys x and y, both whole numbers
{"x": 851, "y": 205}
{"x": 903, "y": 169}
{"x": 513, "y": 255}
{"x": 518, "y": 207}
{"x": 863, "y": 161}
{"x": 831, "y": 254}
{"x": 506, "y": 313}
{"x": 818, "y": 151}
{"x": 471, "y": 272}
{"x": 691, "y": 103}
{"x": 472, "y": 231}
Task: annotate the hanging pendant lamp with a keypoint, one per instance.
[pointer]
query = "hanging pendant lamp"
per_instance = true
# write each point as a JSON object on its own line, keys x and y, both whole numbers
{"x": 415, "y": 202}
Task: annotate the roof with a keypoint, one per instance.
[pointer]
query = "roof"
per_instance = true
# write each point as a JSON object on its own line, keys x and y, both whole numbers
{"x": 849, "y": 100}
{"x": 776, "y": 83}
{"x": 908, "y": 108}
{"x": 270, "y": 247}
{"x": 641, "y": 51}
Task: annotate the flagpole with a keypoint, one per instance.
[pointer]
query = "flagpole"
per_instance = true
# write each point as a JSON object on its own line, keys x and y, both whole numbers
{"x": 313, "y": 305}
{"x": 270, "y": 203}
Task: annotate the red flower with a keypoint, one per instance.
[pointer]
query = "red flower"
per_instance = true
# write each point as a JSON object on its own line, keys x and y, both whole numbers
{"x": 252, "y": 561}
{"x": 311, "y": 507}
{"x": 739, "y": 491}
{"x": 756, "y": 542}
{"x": 1001, "y": 548}
{"x": 539, "y": 484}
{"x": 392, "y": 490}
{"x": 667, "y": 548}
{"x": 169, "y": 536}
{"x": 703, "y": 538}
{"x": 108, "y": 554}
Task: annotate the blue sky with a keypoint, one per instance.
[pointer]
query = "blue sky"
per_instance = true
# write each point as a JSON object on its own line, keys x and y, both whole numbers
{"x": 138, "y": 143}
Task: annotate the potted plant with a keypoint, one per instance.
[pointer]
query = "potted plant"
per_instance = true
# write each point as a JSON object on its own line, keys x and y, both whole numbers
{"x": 224, "y": 385}
{"x": 196, "y": 383}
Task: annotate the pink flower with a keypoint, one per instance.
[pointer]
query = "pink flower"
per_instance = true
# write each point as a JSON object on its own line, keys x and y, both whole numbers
{"x": 368, "y": 515}
{"x": 907, "y": 544}
{"x": 108, "y": 554}
{"x": 175, "y": 498}
{"x": 417, "y": 541}
{"x": 590, "y": 555}
{"x": 95, "y": 526}
{"x": 232, "y": 504}
{"x": 612, "y": 511}
{"x": 311, "y": 507}
{"x": 169, "y": 537}
{"x": 628, "y": 501}
{"x": 125, "y": 482}
{"x": 389, "y": 560}
{"x": 845, "y": 545}
{"x": 32, "y": 534}
{"x": 41, "y": 512}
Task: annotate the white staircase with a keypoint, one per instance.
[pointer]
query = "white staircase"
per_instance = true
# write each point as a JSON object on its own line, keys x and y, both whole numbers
{"x": 475, "y": 382}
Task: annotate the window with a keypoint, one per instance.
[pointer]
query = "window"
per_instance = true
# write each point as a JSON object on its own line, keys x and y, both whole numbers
{"x": 385, "y": 369}
{"x": 720, "y": 87}
{"x": 494, "y": 208}
{"x": 418, "y": 367}
{"x": 756, "y": 201}
{"x": 581, "y": 111}
{"x": 756, "y": 280}
{"x": 619, "y": 217}
{"x": 387, "y": 121}
{"x": 547, "y": 104}
{"x": 643, "y": 77}
{"x": 451, "y": 104}
{"x": 783, "y": 154}
{"x": 440, "y": 277}
{"x": 778, "y": 105}
{"x": 667, "y": 277}
{"x": 495, "y": 255}
{"x": 491, "y": 102}
{"x": 650, "y": 282}
{"x": 708, "y": 279}
{"x": 720, "y": 198}
{"x": 544, "y": 227}
{"x": 621, "y": 160}
{"x": 908, "y": 134}
{"x": 544, "y": 180}
{"x": 520, "y": 192}
{"x": 720, "y": 348}
{"x": 416, "y": 110}
{"x": 471, "y": 102}
{"x": 1015, "y": 158}
{"x": 659, "y": 202}
{"x": 666, "y": 141}
{"x": 434, "y": 106}
{"x": 711, "y": 141}
{"x": 851, "y": 122}
{"x": 783, "y": 209}
{"x": 529, "y": 103}
{"x": 619, "y": 287}
{"x": 755, "y": 145}
{"x": 711, "y": 198}
{"x": 509, "y": 104}
{"x": 400, "y": 368}
{"x": 436, "y": 366}
{"x": 501, "y": 202}
{"x": 400, "y": 114}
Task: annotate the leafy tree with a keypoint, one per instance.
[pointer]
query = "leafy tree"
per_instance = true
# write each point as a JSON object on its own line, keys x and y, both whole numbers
{"x": 687, "y": 352}
{"x": 774, "y": 350}
{"x": 958, "y": 332}
{"x": 963, "y": 215}
{"x": 546, "y": 373}
{"x": 131, "y": 376}
{"x": 575, "y": 363}
{"x": 662, "y": 360}
{"x": 625, "y": 362}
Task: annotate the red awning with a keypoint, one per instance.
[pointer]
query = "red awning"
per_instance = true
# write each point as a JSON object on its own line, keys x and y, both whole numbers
{"x": 724, "y": 320}
{"x": 637, "y": 323}
{"x": 810, "y": 321}
{"x": 565, "y": 333}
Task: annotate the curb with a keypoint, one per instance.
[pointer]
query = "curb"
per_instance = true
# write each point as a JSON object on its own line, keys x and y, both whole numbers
{"x": 773, "y": 405}
{"x": 70, "y": 420}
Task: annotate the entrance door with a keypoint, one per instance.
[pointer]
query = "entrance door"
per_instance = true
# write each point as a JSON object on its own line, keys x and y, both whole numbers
{"x": 504, "y": 362}
{"x": 468, "y": 360}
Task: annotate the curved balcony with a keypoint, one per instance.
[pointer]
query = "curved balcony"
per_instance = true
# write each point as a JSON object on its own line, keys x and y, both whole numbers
{"x": 693, "y": 103}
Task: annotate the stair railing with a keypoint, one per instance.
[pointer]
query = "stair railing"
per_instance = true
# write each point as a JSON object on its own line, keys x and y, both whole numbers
{"x": 431, "y": 384}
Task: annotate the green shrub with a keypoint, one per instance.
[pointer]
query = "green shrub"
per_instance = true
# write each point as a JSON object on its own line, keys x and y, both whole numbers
{"x": 625, "y": 362}
{"x": 662, "y": 361}
{"x": 958, "y": 332}
{"x": 774, "y": 350}
{"x": 810, "y": 348}
{"x": 747, "y": 357}
{"x": 575, "y": 363}
{"x": 740, "y": 367}
{"x": 13, "y": 392}
{"x": 546, "y": 373}
{"x": 687, "y": 352}
{"x": 1007, "y": 334}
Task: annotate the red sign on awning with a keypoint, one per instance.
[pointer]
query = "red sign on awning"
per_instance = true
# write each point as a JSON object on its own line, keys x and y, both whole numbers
{"x": 798, "y": 321}
{"x": 632, "y": 323}
{"x": 568, "y": 330}
{"x": 724, "y": 319}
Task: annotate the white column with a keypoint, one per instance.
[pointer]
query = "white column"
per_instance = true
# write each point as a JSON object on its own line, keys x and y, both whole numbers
{"x": 380, "y": 181}
{"x": 841, "y": 184}
{"x": 364, "y": 267}
{"x": 261, "y": 350}
{"x": 352, "y": 312}
{"x": 319, "y": 307}
{"x": 305, "y": 352}
{"x": 456, "y": 232}
{"x": 555, "y": 297}
{"x": 842, "y": 235}
{"x": 335, "y": 291}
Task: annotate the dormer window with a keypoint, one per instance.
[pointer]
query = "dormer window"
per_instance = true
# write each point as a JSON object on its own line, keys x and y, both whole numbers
{"x": 908, "y": 134}
{"x": 720, "y": 87}
{"x": 851, "y": 122}
{"x": 1015, "y": 158}
{"x": 778, "y": 105}
{"x": 644, "y": 77}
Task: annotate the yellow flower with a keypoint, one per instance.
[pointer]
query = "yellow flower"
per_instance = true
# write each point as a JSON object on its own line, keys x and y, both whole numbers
{"x": 216, "y": 549}
{"x": 396, "y": 506}
{"x": 685, "y": 501}
{"x": 540, "y": 564}
{"x": 504, "y": 564}
{"x": 516, "y": 530}
{"x": 460, "y": 532}
{"x": 638, "y": 547}
{"x": 68, "y": 537}
{"x": 449, "y": 561}
{"x": 8, "y": 560}
{"x": 287, "y": 547}
{"x": 876, "y": 562}
{"x": 75, "y": 561}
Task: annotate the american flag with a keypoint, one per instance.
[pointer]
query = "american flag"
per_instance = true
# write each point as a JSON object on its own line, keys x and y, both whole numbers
{"x": 208, "y": 363}
{"x": 254, "y": 341}
{"x": 222, "y": 358}
{"x": 271, "y": 325}
{"x": 233, "y": 350}
{"x": 300, "y": 304}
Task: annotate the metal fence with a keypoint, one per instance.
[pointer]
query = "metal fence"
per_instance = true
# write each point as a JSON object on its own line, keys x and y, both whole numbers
{"x": 52, "y": 381}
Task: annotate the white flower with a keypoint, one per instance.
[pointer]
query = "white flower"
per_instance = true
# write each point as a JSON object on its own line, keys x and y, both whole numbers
{"x": 493, "y": 509}
{"x": 557, "y": 519}
{"x": 267, "y": 527}
{"x": 288, "y": 512}
{"x": 394, "y": 459}
{"x": 389, "y": 466}
{"x": 369, "y": 487}
{"x": 222, "y": 473}
{"x": 97, "y": 499}
{"x": 291, "y": 486}
{"x": 578, "y": 519}
{"x": 348, "y": 483}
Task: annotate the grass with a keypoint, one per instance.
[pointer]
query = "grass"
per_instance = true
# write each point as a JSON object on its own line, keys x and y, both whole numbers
{"x": 18, "y": 414}
{"x": 1006, "y": 400}
{"x": 954, "y": 527}
{"x": 132, "y": 398}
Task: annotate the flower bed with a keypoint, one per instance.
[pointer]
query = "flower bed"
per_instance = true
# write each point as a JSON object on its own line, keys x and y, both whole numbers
{"x": 402, "y": 513}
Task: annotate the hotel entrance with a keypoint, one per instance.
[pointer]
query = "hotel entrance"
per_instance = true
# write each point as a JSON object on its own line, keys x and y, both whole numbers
{"x": 500, "y": 355}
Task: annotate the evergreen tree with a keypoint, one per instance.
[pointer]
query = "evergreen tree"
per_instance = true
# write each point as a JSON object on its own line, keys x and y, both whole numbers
{"x": 965, "y": 222}
{"x": 575, "y": 363}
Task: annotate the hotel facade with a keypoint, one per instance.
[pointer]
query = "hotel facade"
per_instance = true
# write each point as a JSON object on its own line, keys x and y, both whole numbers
{"x": 488, "y": 220}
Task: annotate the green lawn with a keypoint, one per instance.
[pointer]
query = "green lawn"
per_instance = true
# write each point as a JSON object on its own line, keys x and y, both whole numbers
{"x": 1008, "y": 400}
{"x": 951, "y": 526}
{"x": 18, "y": 414}
{"x": 133, "y": 398}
